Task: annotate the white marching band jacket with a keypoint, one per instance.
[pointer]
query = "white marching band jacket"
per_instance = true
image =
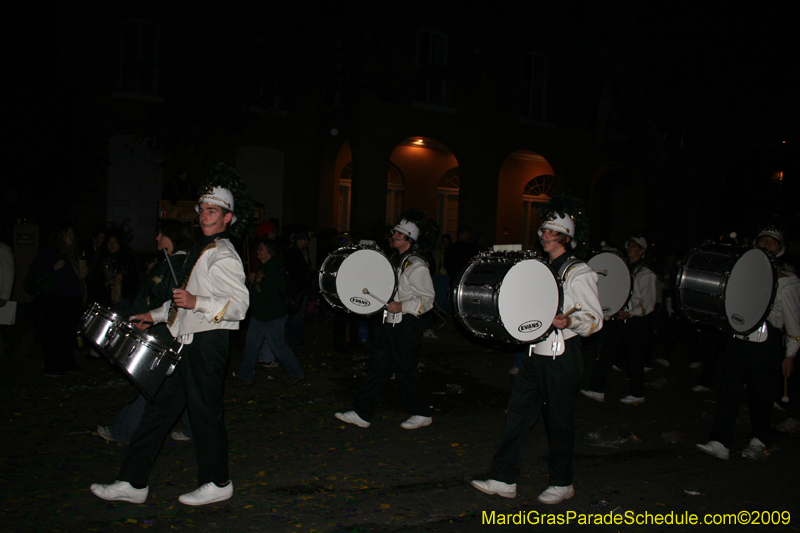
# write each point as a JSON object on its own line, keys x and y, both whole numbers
{"x": 580, "y": 286}
{"x": 643, "y": 297}
{"x": 414, "y": 289}
{"x": 218, "y": 282}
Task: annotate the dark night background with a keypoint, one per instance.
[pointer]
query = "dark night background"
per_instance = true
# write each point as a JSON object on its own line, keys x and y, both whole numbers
{"x": 704, "y": 95}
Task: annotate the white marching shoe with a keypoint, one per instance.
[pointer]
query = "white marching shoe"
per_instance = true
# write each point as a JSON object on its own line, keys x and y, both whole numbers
{"x": 120, "y": 491}
{"x": 351, "y": 417}
{"x": 416, "y": 422}
{"x": 208, "y": 493}
{"x": 554, "y": 494}
{"x": 715, "y": 448}
{"x": 491, "y": 486}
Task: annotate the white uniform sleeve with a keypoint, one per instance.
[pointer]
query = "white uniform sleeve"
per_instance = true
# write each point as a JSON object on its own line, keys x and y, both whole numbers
{"x": 643, "y": 299}
{"x": 581, "y": 286}
{"x": 161, "y": 314}
{"x": 418, "y": 278}
{"x": 227, "y": 298}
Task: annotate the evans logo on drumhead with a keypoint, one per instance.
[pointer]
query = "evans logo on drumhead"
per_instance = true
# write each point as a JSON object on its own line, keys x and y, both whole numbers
{"x": 737, "y": 319}
{"x": 361, "y": 302}
{"x": 531, "y": 325}
{"x": 606, "y": 310}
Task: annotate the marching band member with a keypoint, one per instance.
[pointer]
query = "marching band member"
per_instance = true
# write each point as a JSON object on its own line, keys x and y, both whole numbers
{"x": 754, "y": 361}
{"x": 399, "y": 337}
{"x": 627, "y": 332}
{"x": 549, "y": 377}
{"x": 213, "y": 300}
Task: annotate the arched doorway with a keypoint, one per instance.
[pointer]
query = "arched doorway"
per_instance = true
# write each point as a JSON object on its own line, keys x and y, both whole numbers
{"x": 429, "y": 171}
{"x": 526, "y": 182}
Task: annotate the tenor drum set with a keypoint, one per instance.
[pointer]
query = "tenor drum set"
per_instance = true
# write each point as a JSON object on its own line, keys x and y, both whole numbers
{"x": 142, "y": 357}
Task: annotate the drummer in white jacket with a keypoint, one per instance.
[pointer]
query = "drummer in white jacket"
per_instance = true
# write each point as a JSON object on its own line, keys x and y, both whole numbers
{"x": 399, "y": 338}
{"x": 626, "y": 333}
{"x": 755, "y": 361}
{"x": 549, "y": 377}
{"x": 213, "y": 300}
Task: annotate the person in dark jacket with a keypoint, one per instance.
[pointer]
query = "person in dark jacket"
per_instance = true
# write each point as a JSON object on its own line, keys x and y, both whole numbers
{"x": 298, "y": 266}
{"x": 268, "y": 323}
{"x": 115, "y": 277}
{"x": 60, "y": 301}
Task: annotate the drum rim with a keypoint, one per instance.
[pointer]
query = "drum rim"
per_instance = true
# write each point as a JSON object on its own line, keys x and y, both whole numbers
{"x": 149, "y": 339}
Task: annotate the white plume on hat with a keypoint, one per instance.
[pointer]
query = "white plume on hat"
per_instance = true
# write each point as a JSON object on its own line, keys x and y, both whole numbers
{"x": 563, "y": 225}
{"x": 220, "y": 197}
{"x": 408, "y": 228}
{"x": 775, "y": 233}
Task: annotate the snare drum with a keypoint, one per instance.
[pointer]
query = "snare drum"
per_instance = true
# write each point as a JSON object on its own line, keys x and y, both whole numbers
{"x": 730, "y": 287}
{"x": 614, "y": 282}
{"x": 509, "y": 298}
{"x": 345, "y": 274}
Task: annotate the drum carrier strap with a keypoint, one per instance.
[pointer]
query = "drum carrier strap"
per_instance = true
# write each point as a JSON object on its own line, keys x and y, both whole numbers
{"x": 639, "y": 267}
{"x": 407, "y": 261}
{"x": 567, "y": 267}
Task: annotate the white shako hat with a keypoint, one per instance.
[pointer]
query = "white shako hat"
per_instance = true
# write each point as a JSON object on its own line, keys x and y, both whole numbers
{"x": 408, "y": 228}
{"x": 564, "y": 225}
{"x": 220, "y": 197}
{"x": 641, "y": 241}
{"x": 775, "y": 233}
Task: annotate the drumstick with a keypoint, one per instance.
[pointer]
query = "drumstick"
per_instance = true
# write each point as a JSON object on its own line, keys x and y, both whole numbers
{"x": 785, "y": 398}
{"x": 174, "y": 277}
{"x": 602, "y": 272}
{"x": 577, "y": 307}
{"x": 366, "y": 291}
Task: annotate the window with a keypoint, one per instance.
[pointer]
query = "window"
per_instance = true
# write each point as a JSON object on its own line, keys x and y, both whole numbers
{"x": 447, "y": 191}
{"x": 537, "y": 193}
{"x": 395, "y": 190}
{"x": 138, "y": 71}
{"x": 432, "y": 86}
{"x": 345, "y": 189}
{"x": 534, "y": 87}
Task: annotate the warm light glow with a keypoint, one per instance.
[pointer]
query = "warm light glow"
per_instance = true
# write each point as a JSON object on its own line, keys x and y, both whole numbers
{"x": 777, "y": 177}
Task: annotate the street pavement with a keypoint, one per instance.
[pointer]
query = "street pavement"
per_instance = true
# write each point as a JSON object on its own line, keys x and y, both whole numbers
{"x": 296, "y": 468}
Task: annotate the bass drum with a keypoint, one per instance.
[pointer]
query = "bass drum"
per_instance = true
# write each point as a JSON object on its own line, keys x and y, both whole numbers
{"x": 614, "y": 282}
{"x": 730, "y": 287}
{"x": 508, "y": 298}
{"x": 348, "y": 271}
